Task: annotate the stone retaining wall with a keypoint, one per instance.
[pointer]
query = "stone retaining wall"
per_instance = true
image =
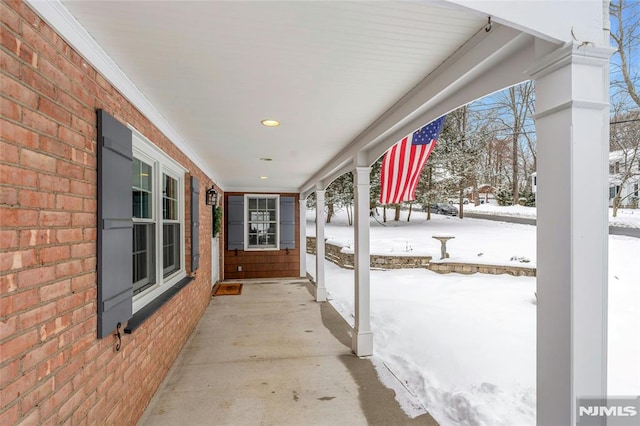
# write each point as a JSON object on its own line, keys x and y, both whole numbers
{"x": 334, "y": 253}
{"x": 472, "y": 268}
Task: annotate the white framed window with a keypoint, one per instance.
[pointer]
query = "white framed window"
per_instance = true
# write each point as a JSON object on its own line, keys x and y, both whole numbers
{"x": 158, "y": 221}
{"x": 262, "y": 222}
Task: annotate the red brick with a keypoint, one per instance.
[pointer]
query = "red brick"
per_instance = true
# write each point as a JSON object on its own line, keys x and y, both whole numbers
{"x": 9, "y": 18}
{"x": 30, "y": 419}
{"x": 69, "y": 269}
{"x": 53, "y": 183}
{"x": 38, "y": 161}
{"x": 8, "y": 196}
{"x": 54, "y": 254}
{"x": 8, "y": 283}
{"x": 53, "y": 291}
{"x": 36, "y": 82}
{"x": 8, "y": 326}
{"x": 51, "y": 404}
{"x": 70, "y": 302}
{"x": 70, "y": 405}
{"x": 52, "y": 364}
{"x": 54, "y": 327}
{"x": 83, "y": 313}
{"x": 10, "y": 109}
{"x": 33, "y": 398}
{"x": 36, "y": 199}
{"x": 71, "y": 137}
{"x": 10, "y": 153}
{"x": 17, "y": 176}
{"x": 55, "y": 147}
{"x": 83, "y": 188}
{"x": 21, "y": 93}
{"x": 84, "y": 342}
{"x": 87, "y": 128}
{"x": 39, "y": 122}
{"x": 69, "y": 235}
{"x": 83, "y": 282}
{"x": 38, "y": 354}
{"x": 9, "y": 63}
{"x": 12, "y": 415}
{"x": 84, "y": 219}
{"x": 16, "y": 133}
{"x": 37, "y": 315}
{"x": 54, "y": 111}
{"x": 69, "y": 370}
{"x": 68, "y": 202}
{"x": 36, "y": 276}
{"x": 18, "y": 217}
{"x": 8, "y": 239}
{"x": 77, "y": 108}
{"x": 18, "y": 345}
{"x": 71, "y": 170}
{"x": 18, "y": 260}
{"x": 90, "y": 234}
{"x": 82, "y": 250}
{"x": 33, "y": 38}
{"x": 49, "y": 218}
{"x": 9, "y": 372}
{"x": 36, "y": 237}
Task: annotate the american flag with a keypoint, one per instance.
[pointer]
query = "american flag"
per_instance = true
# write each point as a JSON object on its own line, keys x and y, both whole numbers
{"x": 403, "y": 163}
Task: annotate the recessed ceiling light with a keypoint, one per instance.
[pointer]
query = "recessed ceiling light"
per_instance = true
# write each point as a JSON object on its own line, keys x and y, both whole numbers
{"x": 270, "y": 123}
{"x": 266, "y": 159}
{"x": 264, "y": 177}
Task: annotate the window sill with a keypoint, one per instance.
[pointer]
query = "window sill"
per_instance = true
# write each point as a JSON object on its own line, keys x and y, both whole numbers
{"x": 141, "y": 316}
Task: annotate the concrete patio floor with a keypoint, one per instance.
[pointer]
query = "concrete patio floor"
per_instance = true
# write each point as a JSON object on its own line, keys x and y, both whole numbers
{"x": 273, "y": 356}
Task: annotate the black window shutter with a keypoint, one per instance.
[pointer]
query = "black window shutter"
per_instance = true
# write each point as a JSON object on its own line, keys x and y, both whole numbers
{"x": 235, "y": 222}
{"x": 115, "y": 224}
{"x": 195, "y": 223}
{"x": 287, "y": 222}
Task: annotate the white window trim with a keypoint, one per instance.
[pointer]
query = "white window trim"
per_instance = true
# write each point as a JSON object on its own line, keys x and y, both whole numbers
{"x": 246, "y": 222}
{"x": 147, "y": 151}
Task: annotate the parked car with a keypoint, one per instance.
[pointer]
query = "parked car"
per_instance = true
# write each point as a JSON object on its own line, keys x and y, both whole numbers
{"x": 444, "y": 208}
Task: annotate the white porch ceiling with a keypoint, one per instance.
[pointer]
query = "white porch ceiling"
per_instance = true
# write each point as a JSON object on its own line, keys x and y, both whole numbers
{"x": 326, "y": 70}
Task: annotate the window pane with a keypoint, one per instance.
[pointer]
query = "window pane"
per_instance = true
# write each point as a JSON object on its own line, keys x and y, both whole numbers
{"x": 253, "y": 203}
{"x": 170, "y": 248}
{"x": 262, "y": 214}
{"x": 143, "y": 256}
{"x": 141, "y": 190}
{"x": 271, "y": 203}
{"x": 169, "y": 198}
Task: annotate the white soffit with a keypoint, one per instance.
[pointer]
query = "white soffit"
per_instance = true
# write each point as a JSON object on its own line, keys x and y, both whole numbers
{"x": 326, "y": 70}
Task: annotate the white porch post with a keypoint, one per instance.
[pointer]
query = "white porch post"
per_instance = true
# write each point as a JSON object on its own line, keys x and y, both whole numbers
{"x": 572, "y": 126}
{"x": 321, "y": 289}
{"x": 362, "y": 339}
{"x": 303, "y": 237}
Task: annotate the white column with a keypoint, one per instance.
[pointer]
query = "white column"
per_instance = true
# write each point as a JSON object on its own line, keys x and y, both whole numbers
{"x": 362, "y": 339}
{"x": 572, "y": 127}
{"x": 321, "y": 289}
{"x": 303, "y": 237}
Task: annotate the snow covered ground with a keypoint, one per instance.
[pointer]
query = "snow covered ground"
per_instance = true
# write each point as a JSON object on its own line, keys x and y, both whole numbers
{"x": 463, "y": 346}
{"x": 626, "y": 217}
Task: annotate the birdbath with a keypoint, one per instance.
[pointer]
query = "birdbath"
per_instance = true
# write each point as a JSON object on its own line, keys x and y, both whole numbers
{"x": 443, "y": 244}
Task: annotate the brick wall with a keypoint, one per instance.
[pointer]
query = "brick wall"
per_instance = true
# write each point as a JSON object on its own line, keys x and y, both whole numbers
{"x": 53, "y": 369}
{"x": 263, "y": 264}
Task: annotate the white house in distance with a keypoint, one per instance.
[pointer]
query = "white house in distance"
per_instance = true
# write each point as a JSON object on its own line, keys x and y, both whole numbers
{"x": 122, "y": 119}
{"x": 624, "y": 179}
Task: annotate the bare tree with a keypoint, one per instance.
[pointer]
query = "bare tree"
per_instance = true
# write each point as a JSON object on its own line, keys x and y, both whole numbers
{"x": 624, "y": 166}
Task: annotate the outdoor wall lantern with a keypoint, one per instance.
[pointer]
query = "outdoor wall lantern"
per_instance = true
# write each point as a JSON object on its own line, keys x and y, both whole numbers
{"x": 212, "y": 197}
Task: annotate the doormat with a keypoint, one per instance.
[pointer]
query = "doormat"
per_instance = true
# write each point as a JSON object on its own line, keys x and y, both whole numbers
{"x": 228, "y": 289}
